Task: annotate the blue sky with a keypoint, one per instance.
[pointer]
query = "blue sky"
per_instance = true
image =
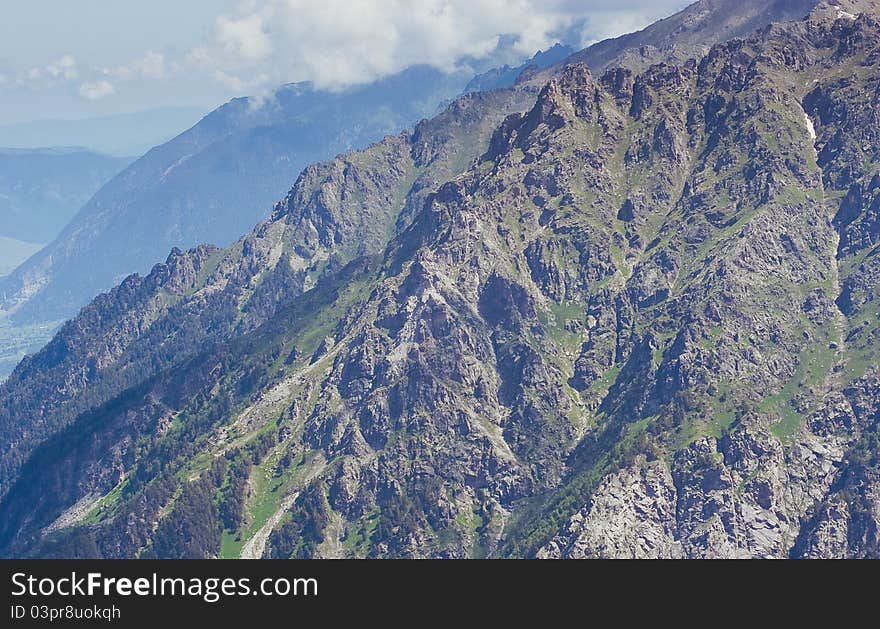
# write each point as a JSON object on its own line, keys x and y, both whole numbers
{"x": 85, "y": 58}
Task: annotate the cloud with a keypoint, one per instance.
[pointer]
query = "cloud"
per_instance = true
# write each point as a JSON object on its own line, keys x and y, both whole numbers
{"x": 151, "y": 66}
{"x": 245, "y": 37}
{"x": 198, "y": 57}
{"x": 340, "y": 42}
{"x": 230, "y": 81}
{"x": 96, "y": 90}
{"x": 336, "y": 43}
{"x": 63, "y": 68}
{"x": 60, "y": 70}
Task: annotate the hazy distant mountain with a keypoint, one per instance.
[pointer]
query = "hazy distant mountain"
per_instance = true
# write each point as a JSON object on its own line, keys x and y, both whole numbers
{"x": 506, "y": 76}
{"x": 214, "y": 182}
{"x": 123, "y": 134}
{"x": 13, "y": 252}
{"x": 41, "y": 189}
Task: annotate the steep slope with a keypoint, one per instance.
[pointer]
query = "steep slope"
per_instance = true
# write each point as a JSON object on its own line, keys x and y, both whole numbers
{"x": 212, "y": 183}
{"x": 690, "y": 33}
{"x": 643, "y": 323}
{"x": 505, "y": 76}
{"x": 336, "y": 211}
{"x": 72, "y": 259}
{"x": 19, "y": 339}
{"x": 215, "y": 182}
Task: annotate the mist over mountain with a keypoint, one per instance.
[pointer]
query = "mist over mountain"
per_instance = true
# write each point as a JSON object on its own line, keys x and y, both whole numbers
{"x": 13, "y": 252}
{"x": 506, "y": 76}
{"x": 691, "y": 33}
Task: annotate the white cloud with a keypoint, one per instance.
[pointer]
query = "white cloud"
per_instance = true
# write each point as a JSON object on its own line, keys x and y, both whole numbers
{"x": 60, "y": 70}
{"x": 96, "y": 90}
{"x": 335, "y": 43}
{"x": 64, "y": 68}
{"x": 198, "y": 57}
{"x": 232, "y": 83}
{"x": 246, "y": 36}
{"x": 257, "y": 86}
{"x": 151, "y": 66}
{"x": 340, "y": 42}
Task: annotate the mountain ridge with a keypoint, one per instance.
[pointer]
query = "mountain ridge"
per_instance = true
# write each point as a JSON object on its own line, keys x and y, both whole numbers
{"x": 212, "y": 183}
{"x": 42, "y": 290}
{"x": 122, "y": 135}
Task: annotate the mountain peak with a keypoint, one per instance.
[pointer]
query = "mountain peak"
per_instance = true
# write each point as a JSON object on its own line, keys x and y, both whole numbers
{"x": 689, "y": 33}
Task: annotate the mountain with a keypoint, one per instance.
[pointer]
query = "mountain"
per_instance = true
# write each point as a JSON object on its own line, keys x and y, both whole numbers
{"x": 506, "y": 76}
{"x": 41, "y": 189}
{"x": 13, "y": 252}
{"x": 207, "y": 295}
{"x": 691, "y": 32}
{"x": 212, "y": 183}
{"x": 628, "y": 314}
{"x": 123, "y": 134}
{"x": 217, "y": 180}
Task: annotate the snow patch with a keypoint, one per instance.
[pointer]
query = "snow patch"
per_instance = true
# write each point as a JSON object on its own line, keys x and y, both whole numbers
{"x": 841, "y": 13}
{"x": 810, "y": 128}
{"x": 173, "y": 166}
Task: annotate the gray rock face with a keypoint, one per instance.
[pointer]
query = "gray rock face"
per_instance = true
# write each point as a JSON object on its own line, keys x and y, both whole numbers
{"x": 746, "y": 496}
{"x": 629, "y": 517}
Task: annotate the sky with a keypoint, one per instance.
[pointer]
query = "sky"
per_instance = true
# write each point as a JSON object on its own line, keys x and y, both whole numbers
{"x": 72, "y": 59}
